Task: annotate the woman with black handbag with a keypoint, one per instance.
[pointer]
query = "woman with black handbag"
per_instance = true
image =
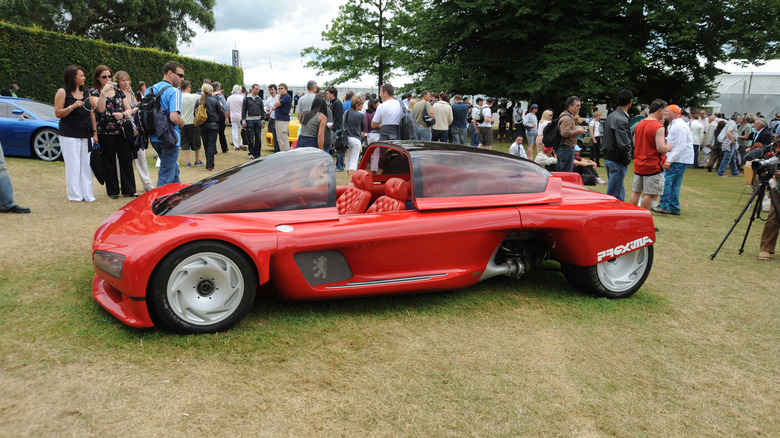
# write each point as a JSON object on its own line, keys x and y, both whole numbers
{"x": 111, "y": 109}
{"x": 130, "y": 130}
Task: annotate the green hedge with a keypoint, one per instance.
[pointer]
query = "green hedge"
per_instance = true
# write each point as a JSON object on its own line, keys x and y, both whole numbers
{"x": 36, "y": 59}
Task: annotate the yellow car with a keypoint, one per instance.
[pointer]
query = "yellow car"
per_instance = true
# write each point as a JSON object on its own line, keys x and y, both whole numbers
{"x": 295, "y": 125}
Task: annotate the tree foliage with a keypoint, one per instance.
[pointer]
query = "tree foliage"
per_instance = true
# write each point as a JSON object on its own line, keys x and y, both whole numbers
{"x": 546, "y": 51}
{"x": 159, "y": 24}
{"x": 364, "y": 39}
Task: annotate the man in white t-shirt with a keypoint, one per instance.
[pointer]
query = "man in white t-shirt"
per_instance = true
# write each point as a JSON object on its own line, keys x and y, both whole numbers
{"x": 388, "y": 115}
{"x": 269, "y": 103}
{"x": 486, "y": 127}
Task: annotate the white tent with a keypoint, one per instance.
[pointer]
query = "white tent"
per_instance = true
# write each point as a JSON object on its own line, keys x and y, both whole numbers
{"x": 749, "y": 92}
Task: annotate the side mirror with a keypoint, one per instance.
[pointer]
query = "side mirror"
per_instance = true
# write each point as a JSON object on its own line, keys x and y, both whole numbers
{"x": 18, "y": 113}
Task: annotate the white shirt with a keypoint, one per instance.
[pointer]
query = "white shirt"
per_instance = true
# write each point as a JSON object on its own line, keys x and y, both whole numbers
{"x": 596, "y": 125}
{"x": 269, "y": 103}
{"x": 697, "y": 131}
{"x": 234, "y": 103}
{"x": 529, "y": 120}
{"x": 517, "y": 150}
{"x": 679, "y": 136}
{"x": 486, "y": 113}
{"x": 389, "y": 113}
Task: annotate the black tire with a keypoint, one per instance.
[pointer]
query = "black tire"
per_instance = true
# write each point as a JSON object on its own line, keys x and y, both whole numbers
{"x": 203, "y": 287}
{"x": 616, "y": 278}
{"x": 45, "y": 144}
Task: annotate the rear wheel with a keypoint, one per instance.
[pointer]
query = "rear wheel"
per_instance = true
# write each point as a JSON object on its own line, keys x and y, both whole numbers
{"x": 615, "y": 278}
{"x": 203, "y": 287}
{"x": 46, "y": 145}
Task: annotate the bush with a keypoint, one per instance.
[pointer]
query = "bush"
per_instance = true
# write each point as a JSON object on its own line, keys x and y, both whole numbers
{"x": 35, "y": 60}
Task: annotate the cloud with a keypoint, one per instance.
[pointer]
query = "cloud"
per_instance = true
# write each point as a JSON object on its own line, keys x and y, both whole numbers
{"x": 244, "y": 14}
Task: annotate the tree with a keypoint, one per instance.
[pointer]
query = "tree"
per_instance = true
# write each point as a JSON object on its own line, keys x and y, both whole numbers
{"x": 546, "y": 51}
{"x": 364, "y": 39}
{"x": 159, "y": 24}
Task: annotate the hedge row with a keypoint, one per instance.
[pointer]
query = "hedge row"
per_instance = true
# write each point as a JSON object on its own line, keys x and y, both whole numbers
{"x": 36, "y": 59}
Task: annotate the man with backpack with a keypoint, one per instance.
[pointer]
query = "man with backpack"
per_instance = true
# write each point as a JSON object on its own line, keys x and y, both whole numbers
{"x": 485, "y": 124}
{"x": 388, "y": 115}
{"x": 617, "y": 142}
{"x": 476, "y": 116}
{"x": 168, "y": 97}
{"x": 569, "y": 130}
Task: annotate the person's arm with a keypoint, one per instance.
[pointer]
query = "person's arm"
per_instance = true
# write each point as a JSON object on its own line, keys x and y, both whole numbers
{"x": 321, "y": 131}
{"x": 660, "y": 142}
{"x": 243, "y": 111}
{"x": 101, "y": 102}
{"x": 60, "y": 110}
{"x": 730, "y": 135}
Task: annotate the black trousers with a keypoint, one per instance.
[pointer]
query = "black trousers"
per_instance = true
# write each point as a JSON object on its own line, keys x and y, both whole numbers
{"x": 111, "y": 148}
{"x": 221, "y": 131}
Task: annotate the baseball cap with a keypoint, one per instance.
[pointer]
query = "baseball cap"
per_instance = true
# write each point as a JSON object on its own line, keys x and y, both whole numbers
{"x": 577, "y": 148}
{"x": 534, "y": 106}
{"x": 675, "y": 109}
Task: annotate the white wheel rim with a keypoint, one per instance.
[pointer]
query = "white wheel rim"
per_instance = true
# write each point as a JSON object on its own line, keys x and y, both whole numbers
{"x": 624, "y": 272}
{"x": 205, "y": 289}
{"x": 47, "y": 145}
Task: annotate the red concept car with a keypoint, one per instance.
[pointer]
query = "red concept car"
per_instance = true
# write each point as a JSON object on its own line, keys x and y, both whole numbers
{"x": 417, "y": 217}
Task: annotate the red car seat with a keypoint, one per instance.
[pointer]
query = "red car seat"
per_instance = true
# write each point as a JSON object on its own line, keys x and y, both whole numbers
{"x": 396, "y": 194}
{"x": 356, "y": 197}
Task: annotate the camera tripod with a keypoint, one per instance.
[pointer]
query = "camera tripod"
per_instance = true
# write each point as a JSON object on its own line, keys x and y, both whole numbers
{"x": 757, "y": 196}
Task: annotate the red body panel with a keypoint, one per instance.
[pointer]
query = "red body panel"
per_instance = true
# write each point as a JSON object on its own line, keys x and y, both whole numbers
{"x": 445, "y": 243}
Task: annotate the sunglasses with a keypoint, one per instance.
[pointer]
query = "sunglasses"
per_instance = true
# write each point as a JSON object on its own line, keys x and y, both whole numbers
{"x": 105, "y": 77}
{"x": 181, "y": 75}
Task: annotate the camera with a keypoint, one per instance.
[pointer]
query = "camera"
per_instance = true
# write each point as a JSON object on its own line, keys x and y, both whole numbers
{"x": 114, "y": 84}
{"x": 765, "y": 169}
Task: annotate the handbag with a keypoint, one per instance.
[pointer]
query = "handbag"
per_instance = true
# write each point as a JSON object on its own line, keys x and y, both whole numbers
{"x": 129, "y": 131}
{"x": 342, "y": 143}
{"x": 201, "y": 115}
{"x": 96, "y": 163}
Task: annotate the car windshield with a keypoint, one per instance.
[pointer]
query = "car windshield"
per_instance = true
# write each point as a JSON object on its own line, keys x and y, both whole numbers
{"x": 453, "y": 172}
{"x": 40, "y": 109}
{"x": 298, "y": 179}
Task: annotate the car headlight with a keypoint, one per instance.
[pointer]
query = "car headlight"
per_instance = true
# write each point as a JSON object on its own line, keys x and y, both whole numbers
{"x": 109, "y": 262}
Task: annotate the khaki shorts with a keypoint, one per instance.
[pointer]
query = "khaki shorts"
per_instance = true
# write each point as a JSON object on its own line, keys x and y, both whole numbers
{"x": 486, "y": 135}
{"x": 648, "y": 184}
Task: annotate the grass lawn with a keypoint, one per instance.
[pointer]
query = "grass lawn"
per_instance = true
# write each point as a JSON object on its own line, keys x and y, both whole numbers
{"x": 693, "y": 353}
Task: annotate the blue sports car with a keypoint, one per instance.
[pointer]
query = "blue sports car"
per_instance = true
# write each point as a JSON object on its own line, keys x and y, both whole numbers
{"x": 29, "y": 128}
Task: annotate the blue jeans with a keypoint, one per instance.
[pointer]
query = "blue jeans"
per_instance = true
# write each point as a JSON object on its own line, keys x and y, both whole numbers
{"x": 423, "y": 134}
{"x": 729, "y": 159}
{"x": 169, "y": 166}
{"x": 458, "y": 135}
{"x": 474, "y": 135}
{"x": 673, "y": 176}
{"x": 616, "y": 173}
{"x": 565, "y": 158}
{"x": 339, "y": 162}
{"x": 439, "y": 135}
{"x": 255, "y": 128}
{"x": 307, "y": 142}
{"x": 6, "y": 191}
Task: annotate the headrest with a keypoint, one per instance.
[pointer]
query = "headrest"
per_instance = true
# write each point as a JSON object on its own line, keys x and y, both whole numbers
{"x": 362, "y": 179}
{"x": 397, "y": 188}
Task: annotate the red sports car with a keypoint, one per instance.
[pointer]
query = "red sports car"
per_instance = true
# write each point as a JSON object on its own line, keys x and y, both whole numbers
{"x": 417, "y": 217}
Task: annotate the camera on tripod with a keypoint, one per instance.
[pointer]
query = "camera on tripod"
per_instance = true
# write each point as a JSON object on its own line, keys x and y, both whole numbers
{"x": 765, "y": 169}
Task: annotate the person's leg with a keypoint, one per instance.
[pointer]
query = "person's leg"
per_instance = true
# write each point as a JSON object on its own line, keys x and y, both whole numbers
{"x": 733, "y": 163}
{"x": 724, "y": 162}
{"x": 272, "y": 128}
{"x": 108, "y": 146}
{"x": 670, "y": 200}
{"x": 221, "y": 132}
{"x": 124, "y": 153}
{"x": 142, "y": 167}
{"x": 695, "y": 156}
{"x": 70, "y": 155}
{"x": 565, "y": 159}
{"x": 85, "y": 170}
{"x": 595, "y": 151}
{"x": 235, "y": 131}
{"x": 211, "y": 145}
{"x": 616, "y": 174}
{"x": 169, "y": 167}
{"x": 352, "y": 155}
{"x": 282, "y": 131}
{"x": 771, "y": 227}
{"x": 6, "y": 190}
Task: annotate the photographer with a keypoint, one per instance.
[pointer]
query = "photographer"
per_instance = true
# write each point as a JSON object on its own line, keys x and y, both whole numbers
{"x": 772, "y": 225}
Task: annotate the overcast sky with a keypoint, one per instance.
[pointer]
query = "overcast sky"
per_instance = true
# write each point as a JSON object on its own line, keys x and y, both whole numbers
{"x": 271, "y": 34}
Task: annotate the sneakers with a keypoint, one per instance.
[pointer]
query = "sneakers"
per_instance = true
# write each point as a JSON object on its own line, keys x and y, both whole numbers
{"x": 660, "y": 210}
{"x": 189, "y": 164}
{"x": 251, "y": 157}
{"x": 199, "y": 163}
{"x": 763, "y": 255}
{"x": 157, "y": 164}
{"x": 600, "y": 181}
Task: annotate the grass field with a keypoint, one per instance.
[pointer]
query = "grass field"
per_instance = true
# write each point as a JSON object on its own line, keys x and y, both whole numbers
{"x": 693, "y": 353}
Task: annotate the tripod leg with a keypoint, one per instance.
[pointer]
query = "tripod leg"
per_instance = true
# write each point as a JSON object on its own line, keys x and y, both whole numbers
{"x": 761, "y": 187}
{"x": 753, "y": 216}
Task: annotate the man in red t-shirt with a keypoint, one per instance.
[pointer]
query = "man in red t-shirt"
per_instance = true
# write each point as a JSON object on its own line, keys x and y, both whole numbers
{"x": 649, "y": 150}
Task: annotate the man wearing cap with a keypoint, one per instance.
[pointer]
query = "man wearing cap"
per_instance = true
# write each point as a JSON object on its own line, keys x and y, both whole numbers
{"x": 678, "y": 159}
{"x": 530, "y": 122}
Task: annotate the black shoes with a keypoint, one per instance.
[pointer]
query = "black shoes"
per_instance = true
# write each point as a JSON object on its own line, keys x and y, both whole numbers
{"x": 15, "y": 209}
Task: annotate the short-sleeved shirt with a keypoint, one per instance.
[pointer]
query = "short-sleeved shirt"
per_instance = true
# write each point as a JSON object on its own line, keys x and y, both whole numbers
{"x": 354, "y": 123}
{"x": 269, "y": 103}
{"x": 171, "y": 102}
{"x": 188, "y": 104}
{"x": 596, "y": 125}
{"x": 459, "y": 115}
{"x": 304, "y": 103}
{"x": 420, "y": 108}
{"x": 389, "y": 113}
{"x": 235, "y": 103}
{"x": 745, "y": 129}
{"x": 486, "y": 113}
{"x": 283, "y": 110}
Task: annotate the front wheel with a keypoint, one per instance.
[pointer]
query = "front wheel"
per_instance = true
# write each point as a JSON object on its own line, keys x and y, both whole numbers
{"x": 615, "y": 278}
{"x": 203, "y": 287}
{"x": 46, "y": 145}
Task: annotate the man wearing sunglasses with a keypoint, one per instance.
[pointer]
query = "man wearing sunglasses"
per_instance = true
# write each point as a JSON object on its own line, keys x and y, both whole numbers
{"x": 170, "y": 101}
